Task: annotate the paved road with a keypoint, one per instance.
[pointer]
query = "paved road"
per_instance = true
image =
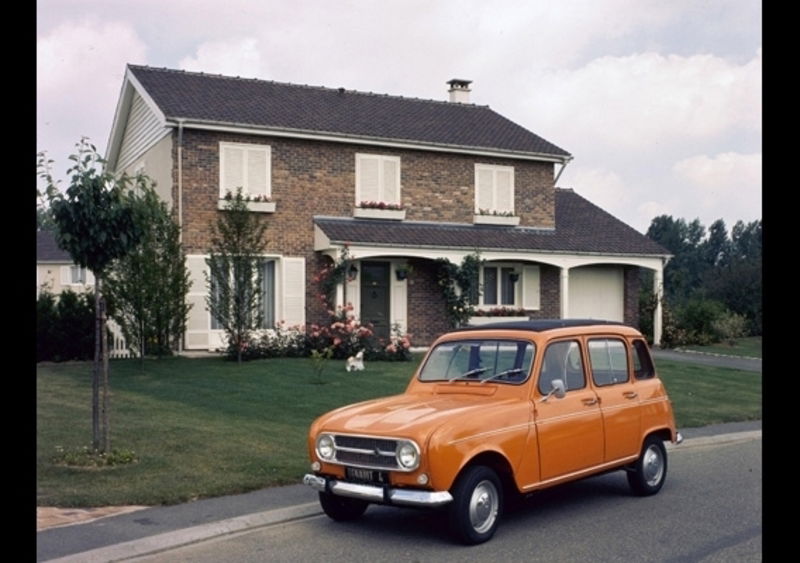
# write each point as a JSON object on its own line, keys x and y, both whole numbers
{"x": 748, "y": 364}
{"x": 709, "y": 510}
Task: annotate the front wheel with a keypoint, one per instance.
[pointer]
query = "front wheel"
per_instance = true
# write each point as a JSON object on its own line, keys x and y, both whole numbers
{"x": 650, "y": 470}
{"x": 477, "y": 505}
{"x": 342, "y": 509}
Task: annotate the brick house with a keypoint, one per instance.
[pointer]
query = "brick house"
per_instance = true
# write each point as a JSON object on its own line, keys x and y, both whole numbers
{"x": 459, "y": 178}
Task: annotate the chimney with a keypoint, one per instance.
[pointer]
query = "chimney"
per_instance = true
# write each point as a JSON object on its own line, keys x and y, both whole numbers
{"x": 459, "y": 90}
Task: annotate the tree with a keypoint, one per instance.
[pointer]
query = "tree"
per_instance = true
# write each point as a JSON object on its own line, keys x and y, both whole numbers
{"x": 235, "y": 276}
{"x": 96, "y": 224}
{"x": 147, "y": 288}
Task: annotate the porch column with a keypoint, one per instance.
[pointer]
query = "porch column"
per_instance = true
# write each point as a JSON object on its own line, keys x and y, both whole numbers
{"x": 564, "y": 292}
{"x": 658, "y": 290}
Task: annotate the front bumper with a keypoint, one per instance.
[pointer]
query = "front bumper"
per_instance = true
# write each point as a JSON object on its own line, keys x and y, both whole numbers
{"x": 372, "y": 493}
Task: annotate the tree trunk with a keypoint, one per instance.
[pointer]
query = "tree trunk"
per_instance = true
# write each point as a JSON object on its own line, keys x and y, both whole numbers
{"x": 96, "y": 371}
{"x": 106, "y": 388}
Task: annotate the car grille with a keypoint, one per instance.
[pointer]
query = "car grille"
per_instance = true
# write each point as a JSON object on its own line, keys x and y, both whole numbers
{"x": 358, "y": 451}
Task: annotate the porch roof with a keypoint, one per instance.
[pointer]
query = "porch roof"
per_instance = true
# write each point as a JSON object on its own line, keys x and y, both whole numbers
{"x": 581, "y": 227}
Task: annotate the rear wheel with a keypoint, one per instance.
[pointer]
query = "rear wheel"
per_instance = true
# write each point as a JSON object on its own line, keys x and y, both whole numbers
{"x": 477, "y": 505}
{"x": 650, "y": 470}
{"x": 342, "y": 509}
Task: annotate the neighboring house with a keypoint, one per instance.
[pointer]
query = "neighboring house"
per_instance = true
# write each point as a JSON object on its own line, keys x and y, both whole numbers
{"x": 55, "y": 270}
{"x": 465, "y": 179}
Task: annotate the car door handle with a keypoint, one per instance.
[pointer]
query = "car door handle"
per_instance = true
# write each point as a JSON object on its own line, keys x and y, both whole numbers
{"x": 630, "y": 394}
{"x": 589, "y": 402}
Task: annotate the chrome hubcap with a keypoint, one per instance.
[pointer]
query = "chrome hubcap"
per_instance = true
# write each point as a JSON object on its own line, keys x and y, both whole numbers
{"x": 653, "y": 466}
{"x": 483, "y": 506}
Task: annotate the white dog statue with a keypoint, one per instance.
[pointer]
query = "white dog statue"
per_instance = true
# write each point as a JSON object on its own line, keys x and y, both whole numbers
{"x": 356, "y": 363}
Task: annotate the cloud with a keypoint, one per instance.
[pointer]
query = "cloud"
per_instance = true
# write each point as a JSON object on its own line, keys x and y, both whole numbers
{"x": 728, "y": 179}
{"x": 232, "y": 57}
{"x": 645, "y": 99}
{"x": 605, "y": 188}
{"x": 80, "y": 67}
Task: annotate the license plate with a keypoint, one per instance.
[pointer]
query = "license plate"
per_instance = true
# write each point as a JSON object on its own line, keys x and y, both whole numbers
{"x": 365, "y": 475}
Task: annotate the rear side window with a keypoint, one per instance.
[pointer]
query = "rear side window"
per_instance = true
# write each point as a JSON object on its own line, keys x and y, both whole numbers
{"x": 642, "y": 363}
{"x": 609, "y": 361}
{"x": 562, "y": 360}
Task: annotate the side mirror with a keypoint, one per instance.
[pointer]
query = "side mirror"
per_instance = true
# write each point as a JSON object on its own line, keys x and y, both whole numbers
{"x": 559, "y": 390}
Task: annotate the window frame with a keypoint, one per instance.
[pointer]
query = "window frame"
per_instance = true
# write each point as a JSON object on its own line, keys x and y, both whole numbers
{"x": 494, "y": 169}
{"x": 246, "y": 188}
{"x": 381, "y": 158}
{"x": 273, "y": 305}
{"x": 635, "y": 346}
{"x": 611, "y": 370}
{"x": 539, "y": 381}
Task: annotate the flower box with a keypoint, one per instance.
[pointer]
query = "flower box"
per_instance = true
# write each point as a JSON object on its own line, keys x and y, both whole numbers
{"x": 495, "y": 220}
{"x": 255, "y": 206}
{"x": 479, "y": 321}
{"x": 371, "y": 213}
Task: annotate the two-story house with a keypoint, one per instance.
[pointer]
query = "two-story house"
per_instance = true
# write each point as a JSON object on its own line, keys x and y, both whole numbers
{"x": 454, "y": 178}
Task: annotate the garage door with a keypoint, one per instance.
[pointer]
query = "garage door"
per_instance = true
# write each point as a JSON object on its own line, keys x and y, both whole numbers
{"x": 597, "y": 292}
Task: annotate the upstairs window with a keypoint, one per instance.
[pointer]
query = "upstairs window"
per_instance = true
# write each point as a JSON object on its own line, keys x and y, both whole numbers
{"x": 247, "y": 167}
{"x": 377, "y": 178}
{"x": 494, "y": 189}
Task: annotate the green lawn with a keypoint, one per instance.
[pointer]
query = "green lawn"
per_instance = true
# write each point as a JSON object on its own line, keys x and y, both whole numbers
{"x": 750, "y": 347}
{"x": 207, "y": 427}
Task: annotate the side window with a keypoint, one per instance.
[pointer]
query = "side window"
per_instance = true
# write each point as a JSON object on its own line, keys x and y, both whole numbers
{"x": 642, "y": 364}
{"x": 609, "y": 361}
{"x": 562, "y": 360}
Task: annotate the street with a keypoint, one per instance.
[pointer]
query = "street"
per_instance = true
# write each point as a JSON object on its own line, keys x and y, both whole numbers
{"x": 708, "y": 510}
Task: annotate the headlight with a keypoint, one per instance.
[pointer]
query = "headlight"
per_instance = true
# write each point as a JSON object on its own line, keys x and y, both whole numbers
{"x": 325, "y": 446}
{"x": 407, "y": 455}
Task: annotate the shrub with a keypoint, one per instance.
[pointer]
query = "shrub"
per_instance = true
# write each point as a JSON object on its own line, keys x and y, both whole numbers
{"x": 64, "y": 326}
{"x": 729, "y": 327}
{"x": 697, "y": 318}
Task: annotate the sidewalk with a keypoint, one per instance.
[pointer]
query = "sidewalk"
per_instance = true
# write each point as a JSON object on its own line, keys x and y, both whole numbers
{"x": 149, "y": 530}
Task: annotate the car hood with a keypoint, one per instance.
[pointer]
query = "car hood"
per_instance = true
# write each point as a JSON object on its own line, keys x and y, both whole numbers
{"x": 408, "y": 415}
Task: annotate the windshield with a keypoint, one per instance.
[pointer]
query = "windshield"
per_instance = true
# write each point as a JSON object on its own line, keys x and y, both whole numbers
{"x": 500, "y": 361}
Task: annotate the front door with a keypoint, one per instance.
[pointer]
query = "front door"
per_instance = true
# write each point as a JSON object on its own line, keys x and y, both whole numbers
{"x": 375, "y": 297}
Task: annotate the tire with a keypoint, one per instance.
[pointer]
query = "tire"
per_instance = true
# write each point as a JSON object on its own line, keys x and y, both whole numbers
{"x": 342, "y": 509}
{"x": 477, "y": 505}
{"x": 650, "y": 470}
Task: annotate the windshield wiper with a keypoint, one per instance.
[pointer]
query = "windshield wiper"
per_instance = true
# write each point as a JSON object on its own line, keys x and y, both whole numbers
{"x": 469, "y": 373}
{"x": 502, "y": 374}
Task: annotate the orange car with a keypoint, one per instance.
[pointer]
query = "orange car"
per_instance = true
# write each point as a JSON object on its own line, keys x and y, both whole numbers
{"x": 501, "y": 408}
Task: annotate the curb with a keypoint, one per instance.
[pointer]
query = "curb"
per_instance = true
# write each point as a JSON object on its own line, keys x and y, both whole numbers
{"x": 171, "y": 540}
{"x": 715, "y": 354}
{"x": 180, "y": 538}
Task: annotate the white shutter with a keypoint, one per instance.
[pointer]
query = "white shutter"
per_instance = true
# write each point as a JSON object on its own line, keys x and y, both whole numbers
{"x": 483, "y": 189}
{"x": 257, "y": 172}
{"x": 198, "y": 322}
{"x": 89, "y": 277}
{"x": 391, "y": 181}
{"x": 504, "y": 190}
{"x": 231, "y": 169}
{"x": 531, "y": 287}
{"x": 399, "y": 303}
{"x": 293, "y": 291}
{"x": 66, "y": 275}
{"x": 368, "y": 177}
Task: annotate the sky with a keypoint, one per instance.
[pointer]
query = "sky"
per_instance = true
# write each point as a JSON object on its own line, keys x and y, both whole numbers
{"x": 658, "y": 101}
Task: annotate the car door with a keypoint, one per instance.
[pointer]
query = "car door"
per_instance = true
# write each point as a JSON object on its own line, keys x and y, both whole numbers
{"x": 619, "y": 399}
{"x": 569, "y": 429}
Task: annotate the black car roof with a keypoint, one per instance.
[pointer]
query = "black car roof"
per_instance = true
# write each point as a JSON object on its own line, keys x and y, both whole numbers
{"x": 541, "y": 325}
